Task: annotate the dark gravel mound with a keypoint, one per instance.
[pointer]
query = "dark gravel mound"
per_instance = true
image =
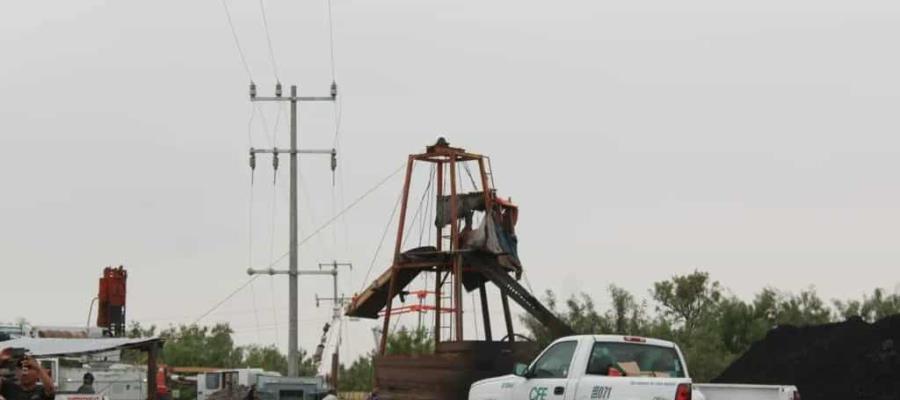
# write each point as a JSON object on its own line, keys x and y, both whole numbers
{"x": 841, "y": 361}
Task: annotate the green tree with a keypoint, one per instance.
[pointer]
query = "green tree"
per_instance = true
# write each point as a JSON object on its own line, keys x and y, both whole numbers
{"x": 359, "y": 376}
{"x": 136, "y": 330}
{"x": 739, "y": 324}
{"x": 627, "y": 316}
{"x": 268, "y": 358}
{"x": 410, "y": 342}
{"x": 781, "y": 308}
{"x": 871, "y": 309}
{"x": 537, "y": 330}
{"x": 194, "y": 345}
{"x": 688, "y": 298}
{"x": 580, "y": 314}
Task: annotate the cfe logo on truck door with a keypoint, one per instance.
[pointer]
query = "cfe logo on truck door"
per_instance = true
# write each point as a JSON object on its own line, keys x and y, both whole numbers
{"x": 537, "y": 393}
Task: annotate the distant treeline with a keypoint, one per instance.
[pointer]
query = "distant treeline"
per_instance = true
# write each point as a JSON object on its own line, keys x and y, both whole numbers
{"x": 712, "y": 326}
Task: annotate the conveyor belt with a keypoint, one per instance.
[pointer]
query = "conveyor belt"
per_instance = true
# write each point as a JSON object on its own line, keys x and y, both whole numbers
{"x": 524, "y": 299}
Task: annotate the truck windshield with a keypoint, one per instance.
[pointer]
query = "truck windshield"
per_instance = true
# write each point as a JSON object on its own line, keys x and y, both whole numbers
{"x": 634, "y": 359}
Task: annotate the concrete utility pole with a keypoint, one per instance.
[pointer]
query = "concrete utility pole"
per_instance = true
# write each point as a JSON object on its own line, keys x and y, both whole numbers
{"x": 293, "y": 352}
{"x": 337, "y": 299}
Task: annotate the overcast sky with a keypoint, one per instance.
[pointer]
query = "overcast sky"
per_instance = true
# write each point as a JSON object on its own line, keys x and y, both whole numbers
{"x": 755, "y": 140}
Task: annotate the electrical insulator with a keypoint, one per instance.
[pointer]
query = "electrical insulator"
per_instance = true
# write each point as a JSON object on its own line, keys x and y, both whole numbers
{"x": 252, "y": 159}
{"x": 333, "y": 90}
{"x": 252, "y": 90}
{"x": 278, "y": 89}
{"x": 275, "y": 164}
{"x": 333, "y": 160}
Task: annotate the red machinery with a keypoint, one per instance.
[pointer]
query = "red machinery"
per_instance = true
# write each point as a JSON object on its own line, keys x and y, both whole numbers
{"x": 111, "y": 310}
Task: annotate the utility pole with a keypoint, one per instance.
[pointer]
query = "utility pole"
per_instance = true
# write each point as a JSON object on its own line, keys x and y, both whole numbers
{"x": 293, "y": 352}
{"x": 337, "y": 299}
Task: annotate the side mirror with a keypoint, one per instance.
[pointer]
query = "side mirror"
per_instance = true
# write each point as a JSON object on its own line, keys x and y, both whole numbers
{"x": 520, "y": 370}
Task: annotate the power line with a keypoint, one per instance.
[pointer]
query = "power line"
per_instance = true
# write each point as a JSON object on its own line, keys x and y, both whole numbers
{"x": 219, "y": 304}
{"x": 344, "y": 211}
{"x": 381, "y": 242}
{"x": 250, "y": 255}
{"x": 262, "y": 9}
{"x": 237, "y": 43}
{"x": 331, "y": 38}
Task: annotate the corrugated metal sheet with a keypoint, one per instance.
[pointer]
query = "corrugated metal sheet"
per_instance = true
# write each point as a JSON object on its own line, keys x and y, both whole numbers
{"x": 46, "y": 347}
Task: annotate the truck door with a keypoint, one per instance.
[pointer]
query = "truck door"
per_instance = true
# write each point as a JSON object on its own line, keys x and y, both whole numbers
{"x": 547, "y": 377}
{"x": 618, "y": 370}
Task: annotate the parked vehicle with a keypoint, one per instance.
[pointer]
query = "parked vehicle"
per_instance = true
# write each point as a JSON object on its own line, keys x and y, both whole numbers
{"x": 605, "y": 367}
{"x": 233, "y": 384}
{"x": 212, "y": 382}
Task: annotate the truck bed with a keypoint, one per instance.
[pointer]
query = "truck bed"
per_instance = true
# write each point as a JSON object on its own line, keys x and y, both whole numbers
{"x": 725, "y": 391}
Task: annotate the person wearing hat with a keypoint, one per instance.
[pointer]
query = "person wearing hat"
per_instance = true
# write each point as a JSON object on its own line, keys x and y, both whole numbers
{"x": 87, "y": 384}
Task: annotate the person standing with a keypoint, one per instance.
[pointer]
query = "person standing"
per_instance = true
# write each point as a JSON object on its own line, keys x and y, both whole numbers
{"x": 33, "y": 382}
{"x": 87, "y": 384}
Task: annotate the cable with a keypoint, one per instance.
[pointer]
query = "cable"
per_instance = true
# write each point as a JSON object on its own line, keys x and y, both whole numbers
{"x": 381, "y": 242}
{"x": 219, "y": 304}
{"x": 427, "y": 216}
{"x": 265, "y": 123}
{"x": 274, "y": 309}
{"x": 250, "y": 256}
{"x": 415, "y": 217}
{"x": 237, "y": 43}
{"x": 272, "y": 226}
{"x": 255, "y": 312}
{"x": 250, "y": 227}
{"x": 262, "y": 9}
{"x": 344, "y": 211}
{"x": 250, "y": 124}
{"x": 431, "y": 206}
{"x": 331, "y": 37}
{"x": 471, "y": 178}
{"x": 310, "y": 215}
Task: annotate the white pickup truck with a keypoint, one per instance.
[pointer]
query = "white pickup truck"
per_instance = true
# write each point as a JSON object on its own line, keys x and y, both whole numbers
{"x": 612, "y": 367}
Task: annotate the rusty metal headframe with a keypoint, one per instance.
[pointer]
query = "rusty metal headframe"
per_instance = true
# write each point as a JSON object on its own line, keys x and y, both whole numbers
{"x": 443, "y": 156}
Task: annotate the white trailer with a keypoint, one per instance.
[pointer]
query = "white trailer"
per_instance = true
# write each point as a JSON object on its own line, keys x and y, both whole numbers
{"x": 112, "y": 381}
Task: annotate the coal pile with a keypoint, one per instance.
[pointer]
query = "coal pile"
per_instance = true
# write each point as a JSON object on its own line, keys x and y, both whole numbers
{"x": 840, "y": 361}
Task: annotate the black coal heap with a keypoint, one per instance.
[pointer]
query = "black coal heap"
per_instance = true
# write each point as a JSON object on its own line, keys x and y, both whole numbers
{"x": 840, "y": 361}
